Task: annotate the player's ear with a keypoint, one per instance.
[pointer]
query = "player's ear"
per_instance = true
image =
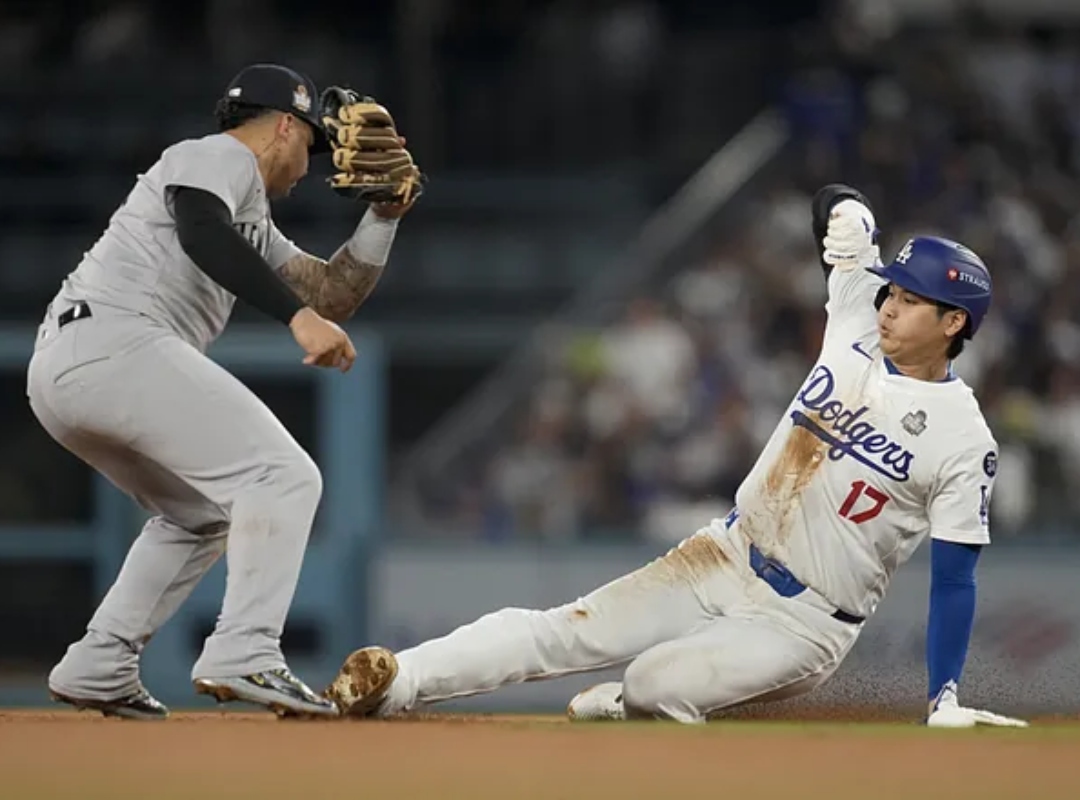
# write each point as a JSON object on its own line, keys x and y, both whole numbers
{"x": 957, "y": 321}
{"x": 282, "y": 125}
{"x": 294, "y": 126}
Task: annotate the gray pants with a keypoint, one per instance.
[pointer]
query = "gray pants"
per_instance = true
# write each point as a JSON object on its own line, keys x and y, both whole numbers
{"x": 195, "y": 447}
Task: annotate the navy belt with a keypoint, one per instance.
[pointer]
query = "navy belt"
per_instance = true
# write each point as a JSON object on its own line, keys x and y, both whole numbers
{"x": 780, "y": 578}
{"x": 80, "y": 310}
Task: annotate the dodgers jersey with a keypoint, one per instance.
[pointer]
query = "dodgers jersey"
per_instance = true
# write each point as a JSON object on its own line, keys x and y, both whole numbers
{"x": 138, "y": 264}
{"x": 866, "y": 463}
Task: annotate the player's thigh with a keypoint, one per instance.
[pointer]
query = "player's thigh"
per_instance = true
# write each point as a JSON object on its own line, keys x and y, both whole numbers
{"x": 728, "y": 662}
{"x": 152, "y": 486}
{"x": 667, "y": 598}
{"x": 160, "y": 491}
{"x": 200, "y": 421}
{"x": 176, "y": 408}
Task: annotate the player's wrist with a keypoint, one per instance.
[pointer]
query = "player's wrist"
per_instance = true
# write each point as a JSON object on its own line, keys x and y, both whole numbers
{"x": 391, "y": 211}
{"x": 373, "y": 238}
{"x": 302, "y": 315}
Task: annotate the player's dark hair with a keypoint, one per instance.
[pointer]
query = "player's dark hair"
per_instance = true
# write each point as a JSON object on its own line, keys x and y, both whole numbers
{"x": 956, "y": 345}
{"x": 231, "y": 115}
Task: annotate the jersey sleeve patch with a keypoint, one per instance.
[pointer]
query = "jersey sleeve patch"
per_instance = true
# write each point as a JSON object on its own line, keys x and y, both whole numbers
{"x": 959, "y": 509}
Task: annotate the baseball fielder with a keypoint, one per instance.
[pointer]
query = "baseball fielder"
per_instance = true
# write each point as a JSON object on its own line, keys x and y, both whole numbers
{"x": 119, "y": 378}
{"x": 881, "y": 446}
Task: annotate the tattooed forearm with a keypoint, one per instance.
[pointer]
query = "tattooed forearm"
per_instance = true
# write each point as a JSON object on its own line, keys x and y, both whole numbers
{"x": 334, "y": 288}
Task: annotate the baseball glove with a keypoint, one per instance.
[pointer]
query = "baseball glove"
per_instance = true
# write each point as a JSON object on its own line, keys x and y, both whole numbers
{"x": 372, "y": 163}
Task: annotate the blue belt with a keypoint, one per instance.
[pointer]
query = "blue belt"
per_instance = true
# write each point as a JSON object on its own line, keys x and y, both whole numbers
{"x": 780, "y": 578}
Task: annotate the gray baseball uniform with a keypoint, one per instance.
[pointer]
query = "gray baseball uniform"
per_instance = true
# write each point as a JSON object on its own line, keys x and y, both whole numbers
{"x": 128, "y": 389}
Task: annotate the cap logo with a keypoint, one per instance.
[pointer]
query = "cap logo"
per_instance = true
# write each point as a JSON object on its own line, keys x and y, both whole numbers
{"x": 905, "y": 253}
{"x": 236, "y": 91}
{"x": 953, "y": 273}
{"x": 301, "y": 99}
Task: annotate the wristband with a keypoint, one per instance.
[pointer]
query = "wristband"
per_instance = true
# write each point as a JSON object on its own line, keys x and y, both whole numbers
{"x": 372, "y": 239}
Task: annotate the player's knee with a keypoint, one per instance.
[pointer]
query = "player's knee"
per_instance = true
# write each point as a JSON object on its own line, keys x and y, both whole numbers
{"x": 297, "y": 480}
{"x": 650, "y": 691}
{"x": 643, "y": 689}
{"x": 306, "y": 479}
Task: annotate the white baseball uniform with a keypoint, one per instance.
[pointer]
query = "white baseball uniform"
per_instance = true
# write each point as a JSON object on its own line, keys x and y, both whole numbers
{"x": 765, "y": 604}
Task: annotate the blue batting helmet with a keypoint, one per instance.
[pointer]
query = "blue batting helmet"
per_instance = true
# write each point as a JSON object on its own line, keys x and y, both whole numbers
{"x": 945, "y": 271}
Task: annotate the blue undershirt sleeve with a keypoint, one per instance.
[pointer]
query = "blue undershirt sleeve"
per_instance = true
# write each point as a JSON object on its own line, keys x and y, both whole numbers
{"x": 952, "y": 610}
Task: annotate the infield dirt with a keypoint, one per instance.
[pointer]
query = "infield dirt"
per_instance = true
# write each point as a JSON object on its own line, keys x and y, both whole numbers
{"x": 46, "y": 754}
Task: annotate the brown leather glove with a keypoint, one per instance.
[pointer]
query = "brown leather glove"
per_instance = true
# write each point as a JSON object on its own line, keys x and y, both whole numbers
{"x": 370, "y": 156}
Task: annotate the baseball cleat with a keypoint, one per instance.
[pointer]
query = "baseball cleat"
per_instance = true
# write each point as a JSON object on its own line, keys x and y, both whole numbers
{"x": 141, "y": 705}
{"x": 601, "y": 702}
{"x": 363, "y": 681}
{"x": 277, "y": 689}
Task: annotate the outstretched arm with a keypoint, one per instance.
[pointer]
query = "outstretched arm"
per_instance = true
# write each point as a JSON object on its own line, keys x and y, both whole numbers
{"x": 959, "y": 513}
{"x": 952, "y": 612}
{"x": 336, "y": 288}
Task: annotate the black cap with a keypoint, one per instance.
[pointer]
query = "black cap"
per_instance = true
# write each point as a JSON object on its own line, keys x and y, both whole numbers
{"x": 283, "y": 89}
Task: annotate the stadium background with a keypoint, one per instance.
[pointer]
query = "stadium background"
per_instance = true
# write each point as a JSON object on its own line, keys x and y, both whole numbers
{"x": 595, "y": 315}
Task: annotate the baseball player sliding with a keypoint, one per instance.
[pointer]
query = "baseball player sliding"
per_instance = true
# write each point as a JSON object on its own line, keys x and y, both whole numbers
{"x": 119, "y": 378}
{"x": 881, "y": 446}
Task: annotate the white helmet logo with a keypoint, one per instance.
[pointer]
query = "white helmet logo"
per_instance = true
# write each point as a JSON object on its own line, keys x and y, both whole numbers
{"x": 301, "y": 99}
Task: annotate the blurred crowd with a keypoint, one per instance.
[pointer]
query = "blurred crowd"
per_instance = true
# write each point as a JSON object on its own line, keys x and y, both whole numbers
{"x": 451, "y": 69}
{"x": 649, "y": 425}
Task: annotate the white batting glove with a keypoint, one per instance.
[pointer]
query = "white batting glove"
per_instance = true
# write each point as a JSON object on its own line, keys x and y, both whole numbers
{"x": 946, "y": 712}
{"x": 849, "y": 240}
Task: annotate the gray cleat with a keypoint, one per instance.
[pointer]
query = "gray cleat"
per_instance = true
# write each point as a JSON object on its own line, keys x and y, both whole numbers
{"x": 277, "y": 689}
{"x": 141, "y": 705}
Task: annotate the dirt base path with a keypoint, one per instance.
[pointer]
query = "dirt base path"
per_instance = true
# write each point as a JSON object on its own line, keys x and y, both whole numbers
{"x": 205, "y": 756}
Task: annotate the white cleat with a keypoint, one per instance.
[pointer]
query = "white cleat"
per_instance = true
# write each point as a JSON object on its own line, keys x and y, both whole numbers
{"x": 597, "y": 703}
